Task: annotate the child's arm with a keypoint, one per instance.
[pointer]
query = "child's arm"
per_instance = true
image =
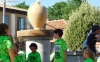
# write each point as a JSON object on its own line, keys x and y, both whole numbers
{"x": 11, "y": 53}
{"x": 15, "y": 46}
{"x": 15, "y": 50}
{"x": 65, "y": 53}
{"x": 64, "y": 46}
{"x": 10, "y": 49}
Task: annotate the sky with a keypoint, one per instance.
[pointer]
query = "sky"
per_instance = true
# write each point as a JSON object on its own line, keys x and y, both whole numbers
{"x": 49, "y": 2}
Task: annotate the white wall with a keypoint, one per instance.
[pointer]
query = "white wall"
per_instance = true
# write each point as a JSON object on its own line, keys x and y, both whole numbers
{"x": 13, "y": 25}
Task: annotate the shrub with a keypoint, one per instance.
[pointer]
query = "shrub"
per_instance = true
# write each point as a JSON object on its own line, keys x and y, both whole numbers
{"x": 80, "y": 22}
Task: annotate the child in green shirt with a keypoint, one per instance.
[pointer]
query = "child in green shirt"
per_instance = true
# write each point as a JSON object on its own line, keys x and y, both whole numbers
{"x": 6, "y": 45}
{"x": 89, "y": 56}
{"x": 60, "y": 47}
{"x": 34, "y": 56}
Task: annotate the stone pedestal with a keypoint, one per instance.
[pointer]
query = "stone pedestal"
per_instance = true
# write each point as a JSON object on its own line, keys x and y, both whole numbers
{"x": 77, "y": 56}
{"x": 41, "y": 38}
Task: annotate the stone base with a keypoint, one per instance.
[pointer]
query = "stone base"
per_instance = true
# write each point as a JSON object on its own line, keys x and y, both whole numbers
{"x": 41, "y": 38}
{"x": 35, "y": 33}
{"x": 77, "y": 56}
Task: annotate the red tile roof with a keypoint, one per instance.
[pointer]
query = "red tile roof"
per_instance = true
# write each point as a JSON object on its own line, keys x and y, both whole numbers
{"x": 52, "y": 25}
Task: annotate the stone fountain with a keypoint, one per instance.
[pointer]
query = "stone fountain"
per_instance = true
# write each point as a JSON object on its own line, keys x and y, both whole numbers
{"x": 37, "y": 15}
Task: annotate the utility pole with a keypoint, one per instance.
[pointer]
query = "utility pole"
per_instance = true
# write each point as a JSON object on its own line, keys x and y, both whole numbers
{"x": 4, "y": 10}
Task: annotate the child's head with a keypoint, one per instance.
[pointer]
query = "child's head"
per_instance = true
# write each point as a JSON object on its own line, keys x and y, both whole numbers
{"x": 96, "y": 29}
{"x": 88, "y": 54}
{"x": 4, "y": 29}
{"x": 33, "y": 47}
{"x": 97, "y": 44}
{"x": 58, "y": 33}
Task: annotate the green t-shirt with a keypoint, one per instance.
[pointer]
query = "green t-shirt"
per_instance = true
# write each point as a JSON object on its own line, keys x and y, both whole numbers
{"x": 34, "y": 57}
{"x": 59, "y": 48}
{"x": 22, "y": 54}
{"x": 88, "y": 60}
{"x": 18, "y": 59}
{"x": 98, "y": 60}
{"x": 5, "y": 44}
{"x": 21, "y": 57}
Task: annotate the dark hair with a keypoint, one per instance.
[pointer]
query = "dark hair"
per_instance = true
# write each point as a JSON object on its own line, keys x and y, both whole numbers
{"x": 96, "y": 40}
{"x": 33, "y": 45}
{"x": 59, "y": 31}
{"x": 95, "y": 27}
{"x": 3, "y": 27}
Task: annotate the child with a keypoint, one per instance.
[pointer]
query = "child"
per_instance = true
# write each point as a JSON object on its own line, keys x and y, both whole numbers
{"x": 34, "y": 56}
{"x": 89, "y": 56}
{"x": 6, "y": 45}
{"x": 97, "y": 45}
{"x": 60, "y": 47}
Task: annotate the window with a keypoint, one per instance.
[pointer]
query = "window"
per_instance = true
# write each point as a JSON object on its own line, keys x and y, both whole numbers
{"x": 6, "y": 19}
{"x": 20, "y": 23}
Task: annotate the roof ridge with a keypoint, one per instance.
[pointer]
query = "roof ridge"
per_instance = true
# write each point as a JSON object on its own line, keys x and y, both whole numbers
{"x": 13, "y": 7}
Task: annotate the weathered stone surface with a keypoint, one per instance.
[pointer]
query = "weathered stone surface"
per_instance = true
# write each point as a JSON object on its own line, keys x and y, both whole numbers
{"x": 41, "y": 38}
{"x": 35, "y": 33}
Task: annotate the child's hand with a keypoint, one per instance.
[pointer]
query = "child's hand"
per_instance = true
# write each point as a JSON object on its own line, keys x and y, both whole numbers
{"x": 97, "y": 36}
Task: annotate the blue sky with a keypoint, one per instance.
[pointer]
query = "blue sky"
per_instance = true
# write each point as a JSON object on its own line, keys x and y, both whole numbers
{"x": 52, "y": 2}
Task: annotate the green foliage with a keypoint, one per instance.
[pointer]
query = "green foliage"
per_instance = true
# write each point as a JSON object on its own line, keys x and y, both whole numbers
{"x": 80, "y": 22}
{"x": 22, "y": 5}
{"x": 56, "y": 11}
{"x": 61, "y": 10}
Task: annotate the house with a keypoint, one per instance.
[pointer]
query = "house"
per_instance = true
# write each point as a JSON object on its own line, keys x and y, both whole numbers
{"x": 52, "y": 25}
{"x": 16, "y": 18}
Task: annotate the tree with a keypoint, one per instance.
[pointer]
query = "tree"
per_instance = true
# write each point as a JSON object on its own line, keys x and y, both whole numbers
{"x": 55, "y": 11}
{"x": 61, "y": 10}
{"x": 22, "y": 5}
{"x": 72, "y": 5}
{"x": 80, "y": 22}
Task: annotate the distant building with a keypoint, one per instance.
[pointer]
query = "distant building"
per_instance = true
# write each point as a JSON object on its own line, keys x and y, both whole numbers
{"x": 16, "y": 18}
{"x": 55, "y": 24}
